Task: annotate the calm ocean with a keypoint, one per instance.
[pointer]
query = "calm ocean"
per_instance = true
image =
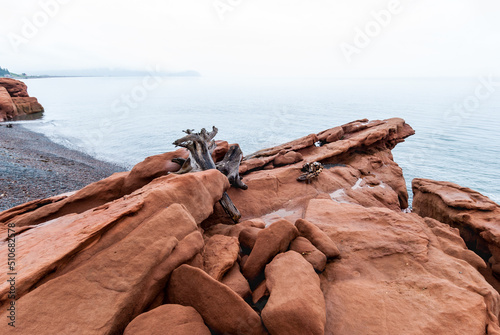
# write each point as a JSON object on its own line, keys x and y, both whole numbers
{"x": 124, "y": 120}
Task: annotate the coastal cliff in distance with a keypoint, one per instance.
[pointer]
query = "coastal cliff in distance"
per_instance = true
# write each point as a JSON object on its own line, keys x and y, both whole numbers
{"x": 148, "y": 251}
{"x": 15, "y": 101}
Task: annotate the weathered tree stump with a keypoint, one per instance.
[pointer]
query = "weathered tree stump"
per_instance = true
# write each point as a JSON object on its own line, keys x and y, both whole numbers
{"x": 200, "y": 146}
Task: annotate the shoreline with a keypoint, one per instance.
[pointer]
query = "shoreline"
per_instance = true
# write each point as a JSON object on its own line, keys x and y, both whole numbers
{"x": 33, "y": 167}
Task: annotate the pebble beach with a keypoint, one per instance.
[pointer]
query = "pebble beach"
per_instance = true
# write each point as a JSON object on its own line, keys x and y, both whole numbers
{"x": 33, "y": 167}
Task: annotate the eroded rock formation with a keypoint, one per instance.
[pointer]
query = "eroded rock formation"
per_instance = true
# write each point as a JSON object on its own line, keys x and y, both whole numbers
{"x": 337, "y": 255}
{"x": 474, "y": 215}
{"x": 15, "y": 101}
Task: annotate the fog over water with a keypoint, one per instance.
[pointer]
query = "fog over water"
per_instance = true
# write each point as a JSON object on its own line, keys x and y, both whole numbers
{"x": 119, "y": 120}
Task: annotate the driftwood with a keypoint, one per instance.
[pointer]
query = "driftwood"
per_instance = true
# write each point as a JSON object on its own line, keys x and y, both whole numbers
{"x": 310, "y": 171}
{"x": 200, "y": 146}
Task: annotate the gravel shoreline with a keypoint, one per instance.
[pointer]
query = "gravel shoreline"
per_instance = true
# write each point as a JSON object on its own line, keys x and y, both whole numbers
{"x": 33, "y": 167}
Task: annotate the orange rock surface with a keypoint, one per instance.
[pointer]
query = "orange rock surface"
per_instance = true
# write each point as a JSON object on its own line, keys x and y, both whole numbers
{"x": 15, "y": 101}
{"x": 476, "y": 217}
{"x": 123, "y": 253}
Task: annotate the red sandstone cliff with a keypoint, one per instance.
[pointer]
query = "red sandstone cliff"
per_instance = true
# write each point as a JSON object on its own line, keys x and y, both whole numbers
{"x": 15, "y": 101}
{"x": 147, "y": 252}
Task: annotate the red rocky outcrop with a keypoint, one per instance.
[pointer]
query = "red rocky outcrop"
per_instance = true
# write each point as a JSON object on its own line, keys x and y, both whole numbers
{"x": 15, "y": 101}
{"x": 474, "y": 215}
{"x": 125, "y": 252}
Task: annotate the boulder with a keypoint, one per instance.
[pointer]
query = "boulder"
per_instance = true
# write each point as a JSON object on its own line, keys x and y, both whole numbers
{"x": 270, "y": 241}
{"x": 310, "y": 253}
{"x": 7, "y": 107}
{"x": 15, "y": 101}
{"x": 318, "y": 238}
{"x": 220, "y": 254}
{"x": 260, "y": 292}
{"x": 235, "y": 280}
{"x": 168, "y": 319}
{"x": 296, "y": 304}
{"x": 233, "y": 229}
{"x": 221, "y": 308}
{"x": 248, "y": 236}
{"x": 16, "y": 88}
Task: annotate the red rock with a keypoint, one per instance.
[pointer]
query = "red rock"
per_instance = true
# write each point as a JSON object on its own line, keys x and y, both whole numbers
{"x": 105, "y": 293}
{"x": 7, "y": 107}
{"x": 219, "y": 255}
{"x": 248, "y": 236}
{"x": 318, "y": 238}
{"x": 28, "y": 207}
{"x": 287, "y": 158}
{"x": 260, "y": 292}
{"x": 331, "y": 135}
{"x": 294, "y": 145}
{"x": 151, "y": 168}
{"x": 347, "y": 177}
{"x": 15, "y": 101}
{"x": 196, "y": 261}
{"x": 310, "y": 253}
{"x": 270, "y": 241}
{"x": 28, "y": 105}
{"x": 220, "y": 150}
{"x": 235, "y": 281}
{"x": 243, "y": 260}
{"x": 296, "y": 304}
{"x": 476, "y": 216}
{"x": 233, "y": 229}
{"x": 401, "y": 274}
{"x": 61, "y": 245}
{"x": 221, "y": 308}
{"x": 168, "y": 320}
{"x": 16, "y": 88}
{"x": 114, "y": 187}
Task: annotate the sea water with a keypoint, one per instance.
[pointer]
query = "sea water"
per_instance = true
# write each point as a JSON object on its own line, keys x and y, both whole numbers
{"x": 124, "y": 120}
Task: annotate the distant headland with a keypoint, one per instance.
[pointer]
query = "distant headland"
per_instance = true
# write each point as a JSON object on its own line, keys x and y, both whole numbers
{"x": 98, "y": 72}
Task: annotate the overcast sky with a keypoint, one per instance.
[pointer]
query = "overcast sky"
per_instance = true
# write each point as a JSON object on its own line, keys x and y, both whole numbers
{"x": 333, "y": 38}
